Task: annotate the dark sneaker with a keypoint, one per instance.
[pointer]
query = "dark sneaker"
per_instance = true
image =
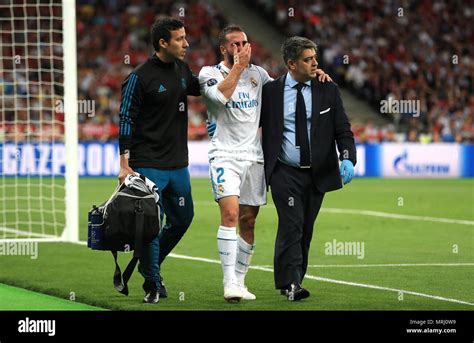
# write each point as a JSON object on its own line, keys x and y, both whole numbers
{"x": 296, "y": 292}
{"x": 152, "y": 297}
{"x": 163, "y": 292}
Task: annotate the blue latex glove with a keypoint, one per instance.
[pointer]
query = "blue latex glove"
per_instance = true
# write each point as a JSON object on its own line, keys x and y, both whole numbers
{"x": 347, "y": 171}
{"x": 211, "y": 128}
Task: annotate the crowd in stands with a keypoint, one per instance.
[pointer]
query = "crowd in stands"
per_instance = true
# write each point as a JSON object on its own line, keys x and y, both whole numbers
{"x": 399, "y": 50}
{"x": 380, "y": 50}
{"x": 113, "y": 37}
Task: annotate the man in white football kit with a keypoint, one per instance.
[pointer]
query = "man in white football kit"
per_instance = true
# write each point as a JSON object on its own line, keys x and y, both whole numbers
{"x": 232, "y": 91}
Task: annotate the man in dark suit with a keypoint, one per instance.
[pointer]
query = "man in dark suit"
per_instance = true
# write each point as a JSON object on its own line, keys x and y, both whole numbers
{"x": 302, "y": 121}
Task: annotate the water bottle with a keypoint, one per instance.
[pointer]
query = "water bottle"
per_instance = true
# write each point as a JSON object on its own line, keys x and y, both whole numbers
{"x": 89, "y": 226}
{"x": 96, "y": 229}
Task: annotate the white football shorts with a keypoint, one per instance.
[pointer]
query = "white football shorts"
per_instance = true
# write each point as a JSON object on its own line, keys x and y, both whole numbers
{"x": 245, "y": 179}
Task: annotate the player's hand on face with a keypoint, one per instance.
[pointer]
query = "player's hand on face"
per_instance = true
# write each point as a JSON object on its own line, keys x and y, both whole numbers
{"x": 242, "y": 58}
{"x": 323, "y": 77}
{"x": 236, "y": 54}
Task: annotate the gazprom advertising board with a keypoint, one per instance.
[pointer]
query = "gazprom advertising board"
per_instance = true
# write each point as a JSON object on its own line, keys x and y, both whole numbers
{"x": 415, "y": 160}
{"x": 405, "y": 160}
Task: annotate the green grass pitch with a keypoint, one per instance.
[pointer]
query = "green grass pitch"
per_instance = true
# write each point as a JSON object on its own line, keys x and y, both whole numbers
{"x": 19, "y": 299}
{"x": 410, "y": 261}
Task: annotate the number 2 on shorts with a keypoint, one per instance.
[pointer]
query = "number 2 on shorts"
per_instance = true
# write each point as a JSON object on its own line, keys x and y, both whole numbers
{"x": 220, "y": 173}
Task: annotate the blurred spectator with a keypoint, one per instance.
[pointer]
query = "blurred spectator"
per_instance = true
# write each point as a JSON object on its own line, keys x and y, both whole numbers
{"x": 412, "y": 136}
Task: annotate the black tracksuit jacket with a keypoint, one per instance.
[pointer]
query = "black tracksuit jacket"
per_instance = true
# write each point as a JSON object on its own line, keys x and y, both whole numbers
{"x": 154, "y": 114}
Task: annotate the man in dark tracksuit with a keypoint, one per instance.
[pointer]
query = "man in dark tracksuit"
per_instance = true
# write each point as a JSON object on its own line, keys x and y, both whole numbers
{"x": 153, "y": 140}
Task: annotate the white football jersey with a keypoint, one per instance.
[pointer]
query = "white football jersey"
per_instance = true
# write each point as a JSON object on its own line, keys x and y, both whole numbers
{"x": 237, "y": 119}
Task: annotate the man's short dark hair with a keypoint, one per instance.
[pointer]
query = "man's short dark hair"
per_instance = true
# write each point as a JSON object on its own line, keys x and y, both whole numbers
{"x": 226, "y": 30}
{"x": 162, "y": 28}
{"x": 292, "y": 48}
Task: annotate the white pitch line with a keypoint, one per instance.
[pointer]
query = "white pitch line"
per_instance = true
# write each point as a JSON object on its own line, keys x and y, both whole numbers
{"x": 370, "y": 213}
{"x": 398, "y": 216}
{"x": 317, "y": 278}
{"x": 385, "y": 265}
{"x": 347, "y": 283}
{"x": 25, "y": 233}
{"x": 389, "y": 289}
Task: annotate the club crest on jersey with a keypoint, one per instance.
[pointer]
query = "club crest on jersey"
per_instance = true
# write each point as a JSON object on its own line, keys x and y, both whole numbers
{"x": 253, "y": 82}
{"x": 183, "y": 83}
{"x": 220, "y": 189}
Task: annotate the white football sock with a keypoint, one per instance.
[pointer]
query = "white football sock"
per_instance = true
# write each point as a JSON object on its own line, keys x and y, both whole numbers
{"x": 243, "y": 258}
{"x": 227, "y": 246}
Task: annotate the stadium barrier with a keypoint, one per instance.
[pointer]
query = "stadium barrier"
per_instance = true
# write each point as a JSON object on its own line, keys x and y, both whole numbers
{"x": 397, "y": 160}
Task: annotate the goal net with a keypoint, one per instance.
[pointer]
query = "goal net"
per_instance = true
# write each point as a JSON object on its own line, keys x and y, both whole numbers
{"x": 38, "y": 121}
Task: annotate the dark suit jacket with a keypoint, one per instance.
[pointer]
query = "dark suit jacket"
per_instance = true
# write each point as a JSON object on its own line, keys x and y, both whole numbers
{"x": 326, "y": 130}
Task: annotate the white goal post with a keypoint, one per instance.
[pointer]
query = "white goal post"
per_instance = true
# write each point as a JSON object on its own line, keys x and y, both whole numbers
{"x": 38, "y": 121}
